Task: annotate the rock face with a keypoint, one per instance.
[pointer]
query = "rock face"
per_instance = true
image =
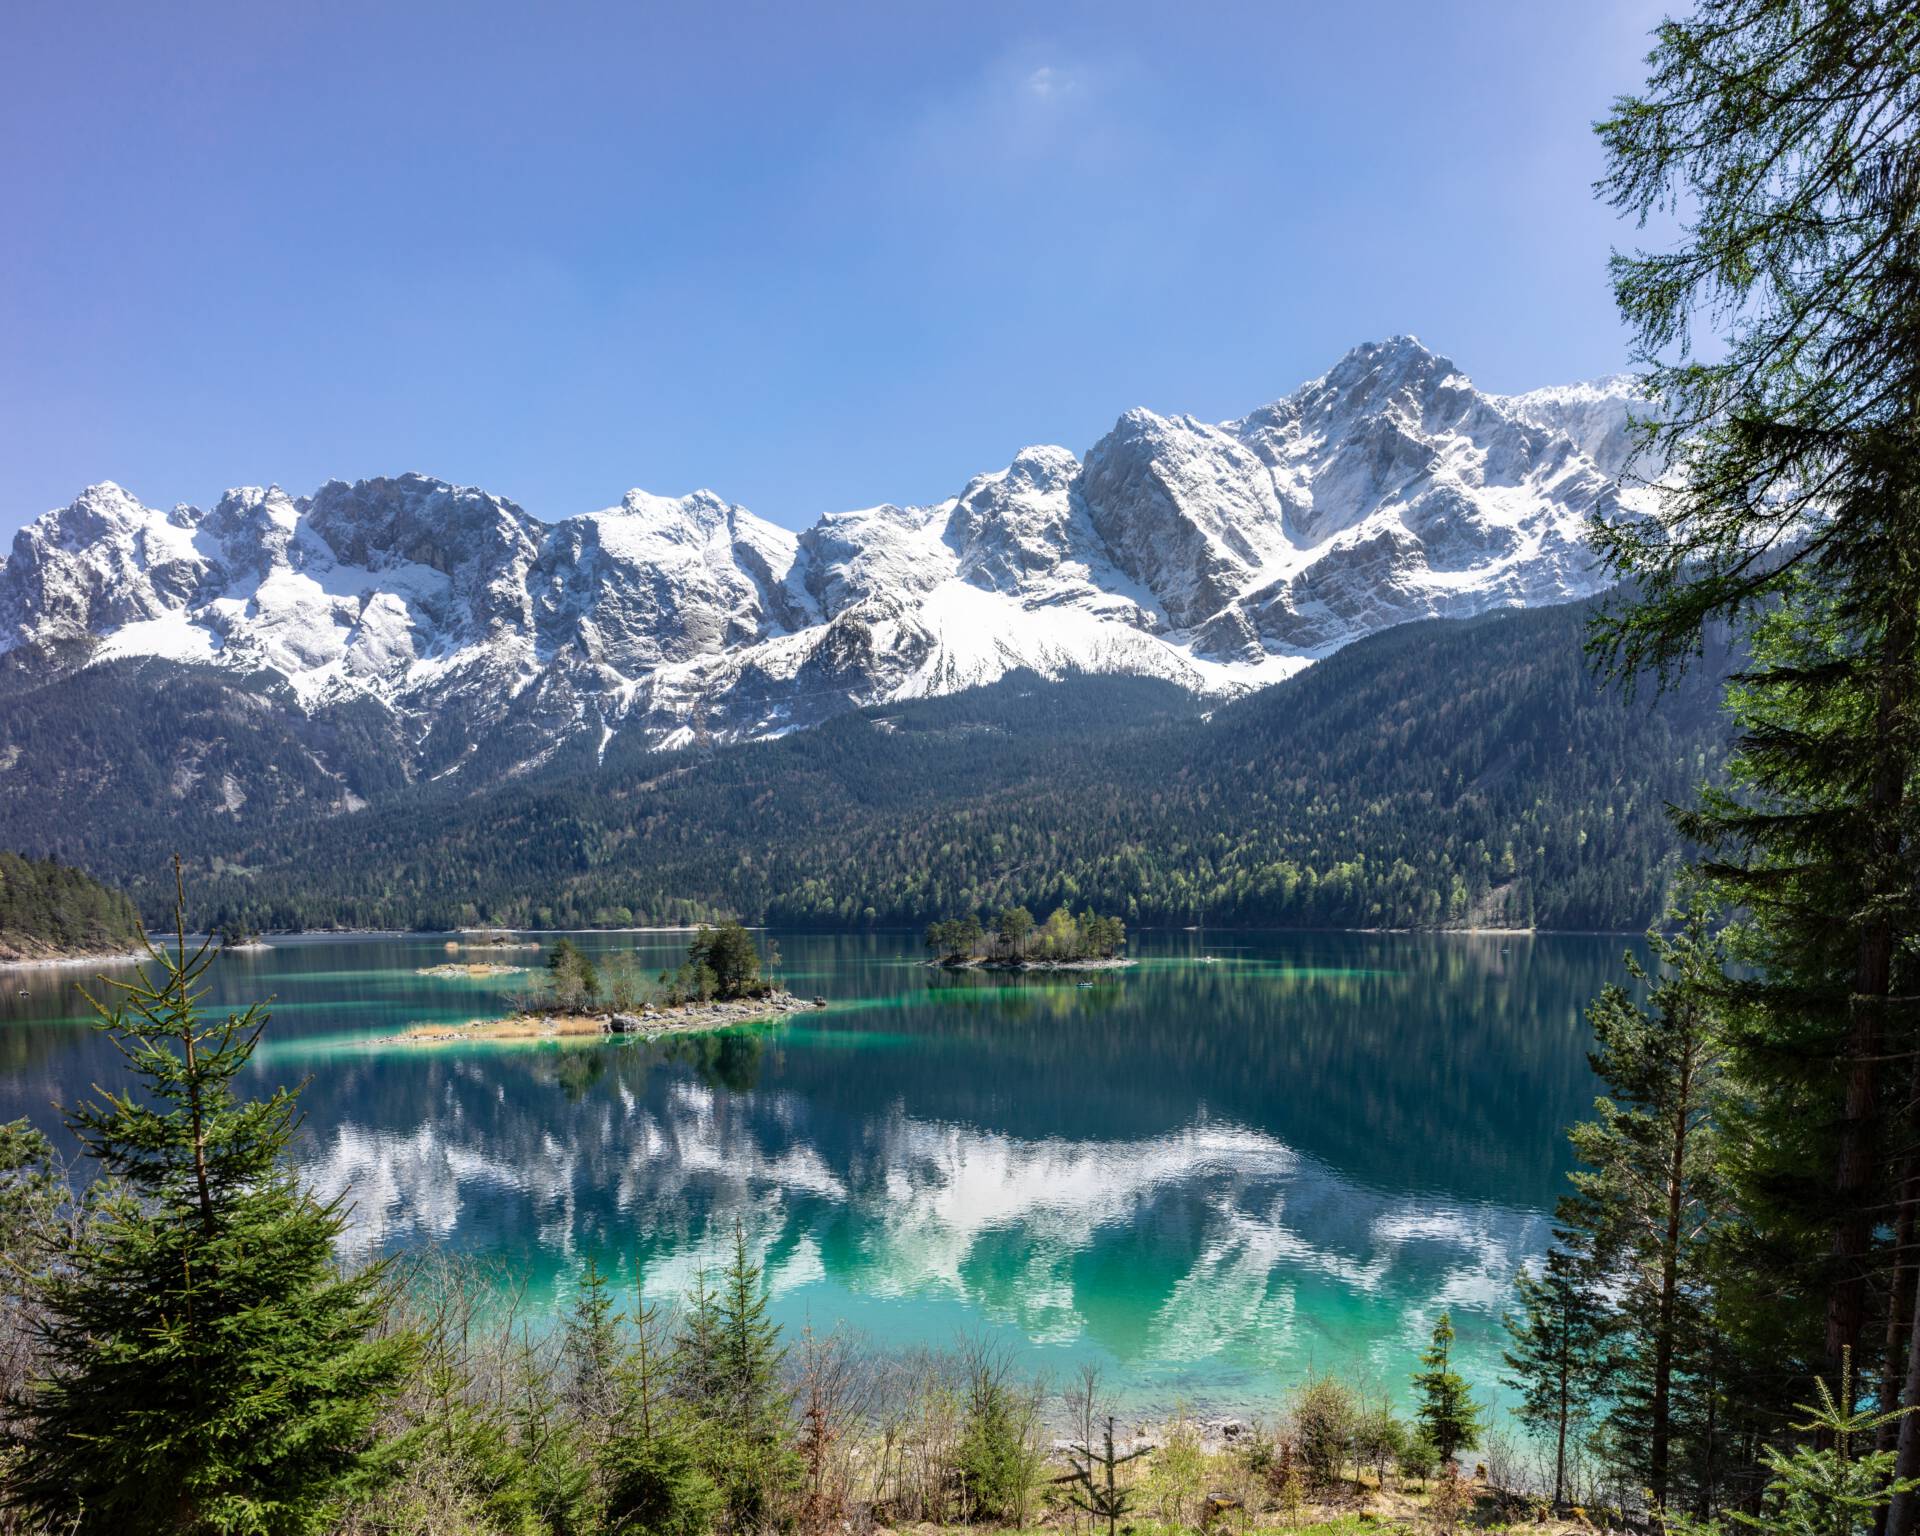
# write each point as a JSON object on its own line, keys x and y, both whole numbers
{"x": 1221, "y": 557}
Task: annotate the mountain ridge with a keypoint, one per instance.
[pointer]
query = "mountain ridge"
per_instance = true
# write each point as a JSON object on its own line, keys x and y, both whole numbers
{"x": 1219, "y": 557}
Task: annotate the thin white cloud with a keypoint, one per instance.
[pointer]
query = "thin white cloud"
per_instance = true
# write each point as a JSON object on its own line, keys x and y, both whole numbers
{"x": 1024, "y": 108}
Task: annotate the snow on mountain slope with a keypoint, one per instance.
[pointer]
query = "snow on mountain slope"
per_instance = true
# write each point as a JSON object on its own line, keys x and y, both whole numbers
{"x": 1595, "y": 416}
{"x": 1221, "y": 557}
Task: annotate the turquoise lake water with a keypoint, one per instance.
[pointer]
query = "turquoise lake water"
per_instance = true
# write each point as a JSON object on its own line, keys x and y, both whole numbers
{"x": 1209, "y": 1174}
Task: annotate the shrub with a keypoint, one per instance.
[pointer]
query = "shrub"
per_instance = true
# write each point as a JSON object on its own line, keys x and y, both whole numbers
{"x": 1177, "y": 1473}
{"x": 1324, "y": 1417}
{"x": 997, "y": 1459}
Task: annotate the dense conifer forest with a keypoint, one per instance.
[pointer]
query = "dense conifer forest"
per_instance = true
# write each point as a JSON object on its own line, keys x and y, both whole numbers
{"x": 48, "y": 910}
{"x": 1438, "y": 775}
{"x": 1442, "y": 774}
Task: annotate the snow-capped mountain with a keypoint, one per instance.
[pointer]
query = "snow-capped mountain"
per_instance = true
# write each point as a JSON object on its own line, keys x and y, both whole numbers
{"x": 1221, "y": 557}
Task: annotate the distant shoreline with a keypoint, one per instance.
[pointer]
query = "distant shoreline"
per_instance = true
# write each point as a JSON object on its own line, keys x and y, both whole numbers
{"x": 463, "y": 934}
{"x": 1110, "y": 963}
{"x": 51, "y": 962}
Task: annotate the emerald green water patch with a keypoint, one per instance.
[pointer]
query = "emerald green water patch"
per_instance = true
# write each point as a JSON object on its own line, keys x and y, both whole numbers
{"x": 886, "y": 1002}
{"x": 817, "y": 1036}
{"x": 1203, "y": 1176}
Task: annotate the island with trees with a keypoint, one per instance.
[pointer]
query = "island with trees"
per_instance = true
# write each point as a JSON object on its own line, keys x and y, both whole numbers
{"x": 1012, "y": 941}
{"x": 725, "y": 981}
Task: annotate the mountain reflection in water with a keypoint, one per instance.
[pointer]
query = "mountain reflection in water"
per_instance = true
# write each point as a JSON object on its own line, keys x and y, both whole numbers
{"x": 1207, "y": 1175}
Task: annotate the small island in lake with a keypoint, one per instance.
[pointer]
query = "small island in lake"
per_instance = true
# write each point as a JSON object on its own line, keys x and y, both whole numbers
{"x": 1013, "y": 942}
{"x": 722, "y": 983}
{"x": 471, "y": 970}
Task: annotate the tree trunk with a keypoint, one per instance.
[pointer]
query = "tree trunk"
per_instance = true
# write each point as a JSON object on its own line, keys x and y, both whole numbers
{"x": 1661, "y": 1408}
{"x": 1888, "y": 788}
{"x": 1900, "y": 1513}
{"x": 1559, "y": 1449}
{"x": 1708, "y": 1469}
{"x": 1883, "y": 877}
{"x": 1854, "y": 1158}
{"x": 1900, "y": 1294}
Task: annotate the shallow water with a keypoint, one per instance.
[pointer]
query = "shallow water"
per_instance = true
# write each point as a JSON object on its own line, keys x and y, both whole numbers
{"x": 1208, "y": 1175}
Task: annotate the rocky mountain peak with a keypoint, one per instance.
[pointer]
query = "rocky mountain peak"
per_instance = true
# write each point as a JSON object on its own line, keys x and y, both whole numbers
{"x": 1220, "y": 556}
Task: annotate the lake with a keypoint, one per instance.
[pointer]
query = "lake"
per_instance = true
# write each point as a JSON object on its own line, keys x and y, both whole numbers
{"x": 1246, "y": 1158}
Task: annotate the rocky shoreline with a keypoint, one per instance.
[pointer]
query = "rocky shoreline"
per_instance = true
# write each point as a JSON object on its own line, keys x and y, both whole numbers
{"x": 978, "y": 963}
{"x": 644, "y": 1023}
{"x": 17, "y": 958}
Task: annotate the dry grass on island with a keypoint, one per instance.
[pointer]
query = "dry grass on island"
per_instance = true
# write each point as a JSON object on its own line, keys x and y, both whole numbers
{"x": 471, "y": 970}
{"x": 721, "y": 985}
{"x": 646, "y": 1023}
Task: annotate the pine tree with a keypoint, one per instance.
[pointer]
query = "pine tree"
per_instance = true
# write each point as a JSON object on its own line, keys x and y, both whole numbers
{"x": 752, "y": 1461}
{"x": 1647, "y": 1200}
{"x": 1448, "y": 1417}
{"x": 1794, "y": 496}
{"x": 557, "y": 1474}
{"x": 995, "y": 1456}
{"x": 657, "y": 1486}
{"x": 729, "y": 953}
{"x": 1098, "y": 1491}
{"x": 1011, "y": 928}
{"x": 207, "y": 1368}
{"x": 471, "y": 1430}
{"x": 591, "y": 1350}
{"x": 1558, "y": 1353}
{"x": 1835, "y": 1486}
{"x": 574, "y": 978}
{"x": 652, "y": 1472}
{"x": 696, "y": 1352}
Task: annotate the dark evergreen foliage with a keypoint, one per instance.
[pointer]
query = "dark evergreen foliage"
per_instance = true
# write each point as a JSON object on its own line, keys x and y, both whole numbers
{"x": 48, "y": 909}
{"x": 1558, "y": 1354}
{"x": 729, "y": 953}
{"x": 1447, "y": 1415}
{"x": 1781, "y": 132}
{"x": 1447, "y": 773}
{"x": 205, "y": 1366}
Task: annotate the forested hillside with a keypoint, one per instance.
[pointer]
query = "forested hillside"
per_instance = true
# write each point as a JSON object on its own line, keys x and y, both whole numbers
{"x": 48, "y": 910}
{"x": 1448, "y": 773}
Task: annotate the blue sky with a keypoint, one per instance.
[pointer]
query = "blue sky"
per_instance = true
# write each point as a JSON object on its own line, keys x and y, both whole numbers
{"x": 814, "y": 257}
